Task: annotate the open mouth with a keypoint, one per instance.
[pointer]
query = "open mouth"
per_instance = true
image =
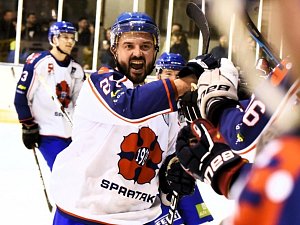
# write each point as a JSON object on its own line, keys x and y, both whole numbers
{"x": 137, "y": 64}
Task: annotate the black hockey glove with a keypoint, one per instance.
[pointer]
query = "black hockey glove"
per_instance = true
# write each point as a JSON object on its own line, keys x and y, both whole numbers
{"x": 188, "y": 106}
{"x": 172, "y": 177}
{"x": 198, "y": 65}
{"x": 31, "y": 136}
{"x": 210, "y": 159}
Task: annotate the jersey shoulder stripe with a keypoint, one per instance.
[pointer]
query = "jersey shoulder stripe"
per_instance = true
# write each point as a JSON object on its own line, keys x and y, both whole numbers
{"x": 132, "y": 104}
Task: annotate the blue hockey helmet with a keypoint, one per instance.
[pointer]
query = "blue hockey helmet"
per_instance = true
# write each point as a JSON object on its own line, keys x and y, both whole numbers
{"x": 170, "y": 61}
{"x": 134, "y": 22}
{"x": 61, "y": 27}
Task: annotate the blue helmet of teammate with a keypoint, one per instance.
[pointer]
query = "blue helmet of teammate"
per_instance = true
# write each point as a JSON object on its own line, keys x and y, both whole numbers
{"x": 61, "y": 27}
{"x": 170, "y": 61}
{"x": 134, "y": 22}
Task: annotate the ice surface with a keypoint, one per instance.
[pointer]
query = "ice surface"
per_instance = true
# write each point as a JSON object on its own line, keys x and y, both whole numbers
{"x": 21, "y": 190}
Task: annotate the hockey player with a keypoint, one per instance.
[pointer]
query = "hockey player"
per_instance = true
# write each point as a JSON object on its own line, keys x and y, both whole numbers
{"x": 168, "y": 65}
{"x": 191, "y": 209}
{"x": 244, "y": 123}
{"x": 271, "y": 194}
{"x": 109, "y": 174}
{"x": 45, "y": 75}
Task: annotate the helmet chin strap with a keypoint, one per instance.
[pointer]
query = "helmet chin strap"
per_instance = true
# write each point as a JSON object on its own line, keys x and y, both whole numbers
{"x": 59, "y": 49}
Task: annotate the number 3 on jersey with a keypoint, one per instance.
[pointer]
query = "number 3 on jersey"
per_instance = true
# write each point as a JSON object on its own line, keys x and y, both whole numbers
{"x": 24, "y": 76}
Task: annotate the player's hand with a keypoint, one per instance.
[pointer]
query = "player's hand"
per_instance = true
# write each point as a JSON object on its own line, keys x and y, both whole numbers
{"x": 174, "y": 178}
{"x": 189, "y": 107}
{"x": 209, "y": 158}
{"x": 31, "y": 135}
{"x": 198, "y": 65}
{"x": 217, "y": 90}
{"x": 229, "y": 71}
{"x": 178, "y": 179}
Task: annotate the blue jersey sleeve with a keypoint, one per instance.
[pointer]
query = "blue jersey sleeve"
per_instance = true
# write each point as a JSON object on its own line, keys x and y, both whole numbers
{"x": 134, "y": 102}
{"x": 241, "y": 126}
{"x": 21, "y": 101}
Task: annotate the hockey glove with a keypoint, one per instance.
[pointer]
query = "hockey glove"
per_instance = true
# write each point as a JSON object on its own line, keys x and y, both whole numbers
{"x": 217, "y": 90}
{"x": 210, "y": 159}
{"x": 31, "y": 135}
{"x": 189, "y": 107}
{"x": 172, "y": 177}
{"x": 198, "y": 65}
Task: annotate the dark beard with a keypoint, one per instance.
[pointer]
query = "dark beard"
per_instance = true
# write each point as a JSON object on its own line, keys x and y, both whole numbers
{"x": 135, "y": 80}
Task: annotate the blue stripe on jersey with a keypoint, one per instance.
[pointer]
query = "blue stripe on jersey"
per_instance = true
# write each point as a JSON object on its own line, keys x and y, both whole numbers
{"x": 20, "y": 101}
{"x": 134, "y": 103}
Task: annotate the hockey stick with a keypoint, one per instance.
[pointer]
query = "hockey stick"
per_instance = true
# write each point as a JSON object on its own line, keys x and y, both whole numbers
{"x": 13, "y": 72}
{"x": 42, "y": 179}
{"x": 194, "y": 12}
{"x": 258, "y": 37}
{"x": 50, "y": 207}
{"x": 55, "y": 100}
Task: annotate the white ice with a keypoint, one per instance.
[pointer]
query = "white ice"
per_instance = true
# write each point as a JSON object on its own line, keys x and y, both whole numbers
{"x": 21, "y": 190}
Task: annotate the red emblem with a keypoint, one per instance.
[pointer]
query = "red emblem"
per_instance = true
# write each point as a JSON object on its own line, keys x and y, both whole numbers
{"x": 140, "y": 155}
{"x": 63, "y": 93}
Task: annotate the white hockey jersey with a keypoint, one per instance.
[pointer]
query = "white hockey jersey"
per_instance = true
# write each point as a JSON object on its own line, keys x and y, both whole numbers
{"x": 109, "y": 173}
{"x": 42, "y": 77}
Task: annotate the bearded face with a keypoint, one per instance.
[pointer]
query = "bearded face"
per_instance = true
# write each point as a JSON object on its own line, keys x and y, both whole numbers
{"x": 135, "y": 55}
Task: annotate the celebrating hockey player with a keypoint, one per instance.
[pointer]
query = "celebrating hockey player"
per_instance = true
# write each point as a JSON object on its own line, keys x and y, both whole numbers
{"x": 47, "y": 77}
{"x": 109, "y": 174}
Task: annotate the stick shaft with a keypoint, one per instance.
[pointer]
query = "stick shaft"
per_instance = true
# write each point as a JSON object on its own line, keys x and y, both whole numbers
{"x": 42, "y": 179}
{"x": 194, "y": 12}
{"x": 258, "y": 37}
{"x": 55, "y": 100}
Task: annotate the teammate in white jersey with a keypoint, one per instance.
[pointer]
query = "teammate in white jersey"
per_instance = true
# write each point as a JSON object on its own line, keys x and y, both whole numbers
{"x": 45, "y": 75}
{"x": 191, "y": 210}
{"x": 112, "y": 172}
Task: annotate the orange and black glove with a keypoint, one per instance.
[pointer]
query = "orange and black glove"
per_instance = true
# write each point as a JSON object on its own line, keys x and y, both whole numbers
{"x": 209, "y": 158}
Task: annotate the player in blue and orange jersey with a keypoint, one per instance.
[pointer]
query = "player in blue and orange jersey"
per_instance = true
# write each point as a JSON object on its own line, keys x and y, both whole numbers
{"x": 245, "y": 124}
{"x": 269, "y": 194}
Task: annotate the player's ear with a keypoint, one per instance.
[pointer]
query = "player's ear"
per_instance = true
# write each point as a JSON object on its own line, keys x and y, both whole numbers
{"x": 55, "y": 40}
{"x": 113, "y": 50}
